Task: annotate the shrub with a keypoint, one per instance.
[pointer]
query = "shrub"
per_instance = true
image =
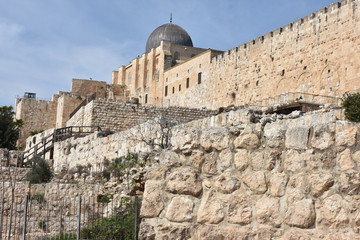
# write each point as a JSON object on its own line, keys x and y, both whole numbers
{"x": 351, "y": 104}
{"x": 40, "y": 171}
{"x": 37, "y": 197}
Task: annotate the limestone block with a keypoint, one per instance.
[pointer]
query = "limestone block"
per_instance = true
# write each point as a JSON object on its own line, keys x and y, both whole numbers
{"x": 225, "y": 159}
{"x": 180, "y": 209}
{"x": 320, "y": 182}
{"x": 268, "y": 211}
{"x": 211, "y": 209}
{"x": 227, "y": 182}
{"x": 297, "y": 137}
{"x": 206, "y": 232}
{"x": 209, "y": 163}
{"x": 265, "y": 160}
{"x": 184, "y": 138}
{"x": 146, "y": 231}
{"x": 356, "y": 158}
{"x": 301, "y": 214}
{"x": 333, "y": 213}
{"x": 293, "y": 161}
{"x": 196, "y": 159}
{"x": 274, "y": 135}
{"x": 173, "y": 232}
{"x": 241, "y": 159}
{"x": 247, "y": 141}
{"x": 152, "y": 203}
{"x": 239, "y": 211}
{"x": 323, "y": 136}
{"x": 349, "y": 183}
{"x": 169, "y": 159}
{"x": 345, "y": 160}
{"x": 256, "y": 181}
{"x": 217, "y": 138}
{"x": 184, "y": 181}
{"x": 278, "y": 183}
{"x": 345, "y": 135}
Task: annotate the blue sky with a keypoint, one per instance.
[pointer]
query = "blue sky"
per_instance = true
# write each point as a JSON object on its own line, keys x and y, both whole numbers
{"x": 46, "y": 43}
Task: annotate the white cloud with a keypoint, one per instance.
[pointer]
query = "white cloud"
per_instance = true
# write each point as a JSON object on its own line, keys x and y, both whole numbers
{"x": 9, "y": 32}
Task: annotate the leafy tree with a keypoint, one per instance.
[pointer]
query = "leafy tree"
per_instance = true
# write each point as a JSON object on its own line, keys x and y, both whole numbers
{"x": 9, "y": 128}
{"x": 40, "y": 171}
{"x": 351, "y": 104}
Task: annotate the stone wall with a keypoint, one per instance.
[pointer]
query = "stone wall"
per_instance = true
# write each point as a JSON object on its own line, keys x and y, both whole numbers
{"x": 121, "y": 116}
{"x": 288, "y": 179}
{"x": 10, "y": 157}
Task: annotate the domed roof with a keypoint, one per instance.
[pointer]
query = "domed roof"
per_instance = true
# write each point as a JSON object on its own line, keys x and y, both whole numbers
{"x": 168, "y": 32}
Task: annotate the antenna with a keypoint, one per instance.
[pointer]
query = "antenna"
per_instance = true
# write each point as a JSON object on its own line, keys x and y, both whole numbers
{"x": 170, "y": 17}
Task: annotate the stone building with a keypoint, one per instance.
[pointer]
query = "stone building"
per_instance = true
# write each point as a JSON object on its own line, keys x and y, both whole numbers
{"x": 311, "y": 61}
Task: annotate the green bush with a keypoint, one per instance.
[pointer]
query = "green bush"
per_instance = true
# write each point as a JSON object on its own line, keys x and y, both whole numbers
{"x": 351, "y": 104}
{"x": 37, "y": 197}
{"x": 40, "y": 171}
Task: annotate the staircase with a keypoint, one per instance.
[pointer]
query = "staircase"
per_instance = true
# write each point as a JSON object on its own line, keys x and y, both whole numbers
{"x": 59, "y": 134}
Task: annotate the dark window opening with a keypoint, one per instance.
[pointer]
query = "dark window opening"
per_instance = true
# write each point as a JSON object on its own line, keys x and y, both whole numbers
{"x": 146, "y": 98}
{"x": 179, "y": 87}
{"x": 199, "y": 77}
{"x": 187, "y": 82}
{"x": 173, "y": 90}
{"x": 166, "y": 91}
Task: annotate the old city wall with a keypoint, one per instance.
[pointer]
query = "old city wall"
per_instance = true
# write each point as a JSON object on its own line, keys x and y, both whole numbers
{"x": 36, "y": 114}
{"x": 67, "y": 103}
{"x": 318, "y": 54}
{"x": 290, "y": 179}
{"x": 117, "y": 116}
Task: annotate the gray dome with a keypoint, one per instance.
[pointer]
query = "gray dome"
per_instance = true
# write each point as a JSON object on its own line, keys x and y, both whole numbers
{"x": 168, "y": 32}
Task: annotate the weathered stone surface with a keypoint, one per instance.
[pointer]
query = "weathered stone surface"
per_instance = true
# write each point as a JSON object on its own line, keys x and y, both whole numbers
{"x": 278, "y": 183}
{"x": 301, "y": 214}
{"x": 333, "y": 213}
{"x": 297, "y": 137}
{"x": 225, "y": 159}
{"x": 247, "y": 141}
{"x": 184, "y": 181}
{"x": 345, "y": 160}
{"x": 169, "y": 159}
{"x": 226, "y": 233}
{"x": 274, "y": 134}
{"x": 265, "y": 160}
{"x": 239, "y": 211}
{"x": 241, "y": 159}
{"x": 217, "y": 138}
{"x": 173, "y": 232}
{"x": 345, "y": 135}
{"x": 211, "y": 209}
{"x": 293, "y": 161}
{"x": 146, "y": 231}
{"x": 196, "y": 159}
{"x": 184, "y": 138}
{"x": 268, "y": 211}
{"x": 349, "y": 183}
{"x": 227, "y": 182}
{"x": 153, "y": 203}
{"x": 209, "y": 163}
{"x": 180, "y": 209}
{"x": 320, "y": 182}
{"x": 256, "y": 181}
{"x": 323, "y": 136}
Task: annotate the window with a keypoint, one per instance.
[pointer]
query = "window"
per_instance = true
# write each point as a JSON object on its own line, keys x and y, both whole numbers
{"x": 166, "y": 91}
{"x": 187, "y": 82}
{"x": 173, "y": 90}
{"x": 199, "y": 77}
{"x": 146, "y": 98}
{"x": 179, "y": 87}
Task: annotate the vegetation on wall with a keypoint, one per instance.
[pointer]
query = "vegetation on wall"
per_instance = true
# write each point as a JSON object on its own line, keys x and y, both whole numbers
{"x": 351, "y": 104}
{"x": 40, "y": 171}
{"x": 9, "y": 128}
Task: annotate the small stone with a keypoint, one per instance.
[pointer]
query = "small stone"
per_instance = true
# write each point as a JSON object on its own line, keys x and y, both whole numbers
{"x": 255, "y": 181}
{"x": 227, "y": 183}
{"x": 211, "y": 209}
{"x": 217, "y": 138}
{"x": 278, "y": 183}
{"x": 239, "y": 210}
{"x": 345, "y": 135}
{"x": 180, "y": 210}
{"x": 332, "y": 212}
{"x": 345, "y": 160}
{"x": 209, "y": 163}
{"x": 320, "y": 182}
{"x": 247, "y": 141}
{"x": 268, "y": 211}
{"x": 274, "y": 135}
{"x": 225, "y": 159}
{"x": 241, "y": 159}
{"x": 184, "y": 138}
{"x": 196, "y": 159}
{"x": 301, "y": 214}
{"x": 152, "y": 203}
{"x": 184, "y": 181}
{"x": 323, "y": 136}
{"x": 293, "y": 161}
{"x": 349, "y": 183}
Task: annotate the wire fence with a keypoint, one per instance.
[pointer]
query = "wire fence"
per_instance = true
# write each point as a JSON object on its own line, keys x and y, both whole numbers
{"x": 33, "y": 217}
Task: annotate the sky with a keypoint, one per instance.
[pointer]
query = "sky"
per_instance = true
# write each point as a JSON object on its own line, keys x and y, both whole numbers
{"x": 46, "y": 43}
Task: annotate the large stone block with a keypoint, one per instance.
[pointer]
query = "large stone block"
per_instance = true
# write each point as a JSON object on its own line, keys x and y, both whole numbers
{"x": 211, "y": 209}
{"x": 345, "y": 134}
{"x": 152, "y": 203}
{"x": 180, "y": 209}
{"x": 227, "y": 182}
{"x": 278, "y": 182}
{"x": 320, "y": 182}
{"x": 297, "y": 137}
{"x": 216, "y": 138}
{"x": 184, "y": 138}
{"x": 247, "y": 141}
{"x": 301, "y": 214}
{"x": 184, "y": 181}
{"x": 256, "y": 181}
{"x": 268, "y": 211}
{"x": 323, "y": 136}
{"x": 241, "y": 159}
{"x": 240, "y": 209}
{"x": 333, "y": 212}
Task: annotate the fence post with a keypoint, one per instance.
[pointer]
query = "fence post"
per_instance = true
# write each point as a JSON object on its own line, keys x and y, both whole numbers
{"x": 79, "y": 220}
{"x": 25, "y": 217}
{"x": 135, "y": 217}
